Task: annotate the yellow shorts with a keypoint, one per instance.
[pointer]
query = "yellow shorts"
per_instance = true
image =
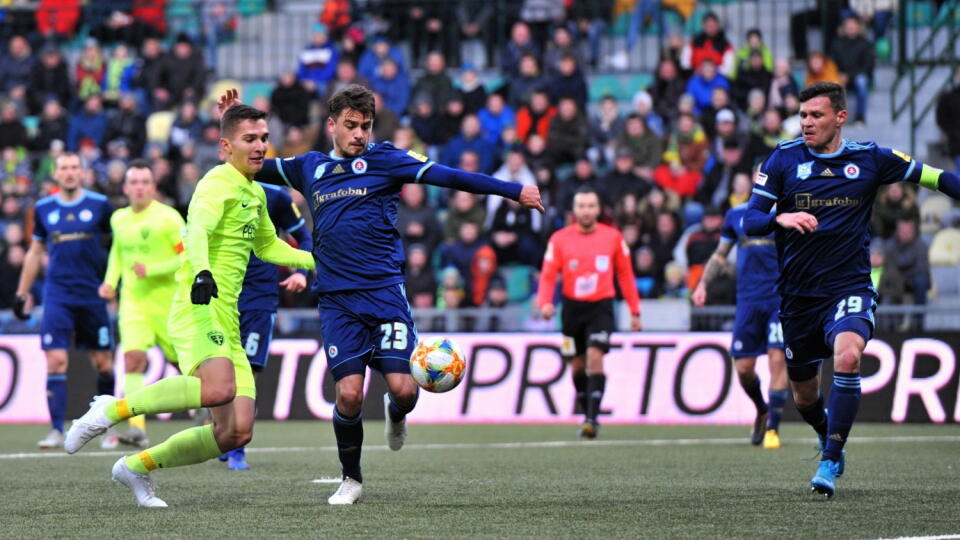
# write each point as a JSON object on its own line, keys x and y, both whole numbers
{"x": 141, "y": 329}
{"x": 213, "y": 331}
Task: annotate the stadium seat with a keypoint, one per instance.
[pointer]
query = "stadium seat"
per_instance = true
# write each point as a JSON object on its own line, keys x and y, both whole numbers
{"x": 246, "y": 8}
{"x": 621, "y": 87}
{"x": 932, "y": 211}
{"x": 158, "y": 126}
{"x": 945, "y": 248}
{"x": 518, "y": 281}
{"x": 919, "y": 13}
{"x": 255, "y": 89}
{"x": 946, "y": 280}
{"x": 218, "y": 88}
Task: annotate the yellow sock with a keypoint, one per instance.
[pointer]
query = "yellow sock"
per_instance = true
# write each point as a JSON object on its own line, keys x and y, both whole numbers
{"x": 173, "y": 394}
{"x": 194, "y": 445}
{"x": 131, "y": 383}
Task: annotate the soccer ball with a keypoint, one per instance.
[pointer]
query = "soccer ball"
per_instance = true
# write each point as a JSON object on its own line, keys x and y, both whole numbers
{"x": 437, "y": 365}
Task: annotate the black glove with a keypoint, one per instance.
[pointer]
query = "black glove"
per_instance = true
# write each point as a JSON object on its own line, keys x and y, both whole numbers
{"x": 203, "y": 288}
{"x": 18, "y": 305}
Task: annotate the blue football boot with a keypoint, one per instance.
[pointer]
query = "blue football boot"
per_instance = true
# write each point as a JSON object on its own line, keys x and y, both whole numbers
{"x": 824, "y": 481}
{"x": 236, "y": 460}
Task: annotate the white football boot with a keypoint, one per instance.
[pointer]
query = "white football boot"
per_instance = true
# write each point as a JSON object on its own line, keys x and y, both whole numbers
{"x": 93, "y": 422}
{"x": 142, "y": 485}
{"x": 394, "y": 432}
{"x": 349, "y": 492}
{"x": 54, "y": 439}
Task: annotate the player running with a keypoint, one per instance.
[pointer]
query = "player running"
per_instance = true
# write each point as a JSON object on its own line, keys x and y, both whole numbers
{"x": 145, "y": 254}
{"x": 260, "y": 298}
{"x": 587, "y": 254}
{"x": 226, "y": 219}
{"x": 824, "y": 188}
{"x": 365, "y": 318}
{"x": 756, "y": 327}
{"x": 75, "y": 224}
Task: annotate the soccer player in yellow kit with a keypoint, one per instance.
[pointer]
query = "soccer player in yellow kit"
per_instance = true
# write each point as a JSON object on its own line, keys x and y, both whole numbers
{"x": 227, "y": 218}
{"x": 145, "y": 254}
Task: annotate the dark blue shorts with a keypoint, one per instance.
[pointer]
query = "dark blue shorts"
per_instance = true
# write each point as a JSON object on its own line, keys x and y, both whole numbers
{"x": 810, "y": 326}
{"x": 367, "y": 328}
{"x": 256, "y": 333}
{"x": 87, "y": 324}
{"x": 756, "y": 328}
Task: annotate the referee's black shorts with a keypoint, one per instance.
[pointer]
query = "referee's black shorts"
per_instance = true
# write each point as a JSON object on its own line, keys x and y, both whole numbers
{"x": 586, "y": 324}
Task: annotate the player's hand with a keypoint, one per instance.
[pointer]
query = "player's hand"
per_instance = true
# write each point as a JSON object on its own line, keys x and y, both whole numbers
{"x": 295, "y": 283}
{"x": 802, "y": 222}
{"x": 228, "y": 99}
{"x": 140, "y": 270}
{"x": 530, "y": 198}
{"x": 699, "y": 296}
{"x": 204, "y": 287}
{"x": 547, "y": 311}
{"x": 22, "y": 306}
{"x": 106, "y": 291}
{"x": 635, "y": 324}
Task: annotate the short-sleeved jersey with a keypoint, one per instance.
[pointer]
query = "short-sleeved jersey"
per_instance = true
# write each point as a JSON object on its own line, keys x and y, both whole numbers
{"x": 150, "y": 237}
{"x": 756, "y": 260}
{"x": 260, "y": 289}
{"x": 74, "y": 234}
{"x": 839, "y": 190}
{"x": 354, "y": 204}
{"x": 587, "y": 263}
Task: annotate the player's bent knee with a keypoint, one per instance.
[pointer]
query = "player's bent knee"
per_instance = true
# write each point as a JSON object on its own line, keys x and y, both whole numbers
{"x": 218, "y": 394}
{"x": 847, "y": 360}
{"x": 349, "y": 399}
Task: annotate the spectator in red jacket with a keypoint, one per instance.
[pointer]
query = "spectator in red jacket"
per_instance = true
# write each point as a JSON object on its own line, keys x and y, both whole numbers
{"x": 536, "y": 116}
{"x": 710, "y": 43}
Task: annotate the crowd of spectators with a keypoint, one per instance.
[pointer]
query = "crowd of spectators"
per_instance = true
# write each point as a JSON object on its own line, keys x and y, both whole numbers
{"x": 667, "y": 164}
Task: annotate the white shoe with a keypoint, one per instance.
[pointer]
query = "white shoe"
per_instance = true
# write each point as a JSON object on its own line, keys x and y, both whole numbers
{"x": 93, "y": 422}
{"x": 394, "y": 432}
{"x": 134, "y": 437}
{"x": 142, "y": 485}
{"x": 349, "y": 492}
{"x": 54, "y": 439}
{"x": 110, "y": 440}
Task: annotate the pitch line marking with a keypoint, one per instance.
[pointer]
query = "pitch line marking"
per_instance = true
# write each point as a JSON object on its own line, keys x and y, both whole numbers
{"x": 520, "y": 445}
{"x": 941, "y": 537}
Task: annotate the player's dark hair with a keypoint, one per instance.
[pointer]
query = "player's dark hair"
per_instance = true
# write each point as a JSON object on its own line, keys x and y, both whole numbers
{"x": 834, "y": 91}
{"x": 237, "y": 114}
{"x": 354, "y": 96}
{"x": 68, "y": 154}
{"x": 587, "y": 189}
{"x": 139, "y": 163}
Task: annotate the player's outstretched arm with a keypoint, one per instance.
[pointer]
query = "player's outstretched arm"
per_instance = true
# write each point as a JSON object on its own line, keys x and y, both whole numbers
{"x": 714, "y": 266}
{"x": 945, "y": 182}
{"x": 272, "y": 249}
{"x": 23, "y": 303}
{"x": 448, "y": 177}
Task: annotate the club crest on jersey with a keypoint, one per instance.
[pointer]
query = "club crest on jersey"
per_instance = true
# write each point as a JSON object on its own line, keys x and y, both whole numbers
{"x": 318, "y": 172}
{"x": 216, "y": 337}
{"x": 333, "y": 351}
{"x": 359, "y": 166}
{"x": 54, "y": 217}
{"x": 86, "y": 215}
{"x": 804, "y": 170}
{"x": 602, "y": 262}
{"x": 851, "y": 171}
{"x": 144, "y": 232}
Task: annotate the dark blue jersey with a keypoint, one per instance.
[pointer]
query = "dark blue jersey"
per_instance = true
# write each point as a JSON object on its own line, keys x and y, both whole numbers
{"x": 354, "y": 204}
{"x": 839, "y": 190}
{"x": 75, "y": 235}
{"x": 260, "y": 291}
{"x": 756, "y": 260}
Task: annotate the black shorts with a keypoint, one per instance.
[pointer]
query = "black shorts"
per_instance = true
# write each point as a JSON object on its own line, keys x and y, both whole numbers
{"x": 586, "y": 324}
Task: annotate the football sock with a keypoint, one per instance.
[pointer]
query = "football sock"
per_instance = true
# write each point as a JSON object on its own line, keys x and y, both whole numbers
{"x": 106, "y": 383}
{"x": 815, "y": 416}
{"x": 778, "y": 398}
{"x": 57, "y": 399}
{"x": 755, "y": 393}
{"x": 131, "y": 383}
{"x": 580, "y": 385}
{"x": 844, "y": 403}
{"x": 596, "y": 382}
{"x": 194, "y": 445}
{"x": 398, "y": 412}
{"x": 172, "y": 394}
{"x": 349, "y": 432}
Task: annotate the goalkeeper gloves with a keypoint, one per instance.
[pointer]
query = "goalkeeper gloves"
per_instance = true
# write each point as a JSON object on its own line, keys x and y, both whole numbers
{"x": 18, "y": 307}
{"x": 204, "y": 287}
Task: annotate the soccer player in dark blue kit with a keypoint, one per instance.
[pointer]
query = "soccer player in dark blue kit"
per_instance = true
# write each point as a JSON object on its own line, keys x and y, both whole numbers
{"x": 365, "y": 317}
{"x": 74, "y": 226}
{"x": 260, "y": 297}
{"x": 756, "y": 327}
{"x": 824, "y": 188}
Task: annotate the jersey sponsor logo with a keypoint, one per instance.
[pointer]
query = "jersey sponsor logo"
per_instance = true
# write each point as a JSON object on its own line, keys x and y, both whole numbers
{"x": 761, "y": 179}
{"x": 338, "y": 169}
{"x": 806, "y": 201}
{"x": 53, "y": 217}
{"x": 905, "y": 157}
{"x": 602, "y": 263}
{"x": 216, "y": 337}
{"x": 318, "y": 172}
{"x": 359, "y": 166}
{"x": 86, "y": 215}
{"x": 568, "y": 347}
{"x": 827, "y": 172}
{"x": 804, "y": 170}
{"x": 249, "y": 230}
{"x": 320, "y": 198}
{"x": 333, "y": 351}
{"x": 419, "y": 157}
{"x": 599, "y": 337}
{"x": 851, "y": 171}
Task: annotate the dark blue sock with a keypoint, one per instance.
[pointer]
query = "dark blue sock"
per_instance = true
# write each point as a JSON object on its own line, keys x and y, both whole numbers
{"x": 106, "y": 383}
{"x": 844, "y": 403}
{"x": 756, "y": 394}
{"x": 815, "y": 416}
{"x": 778, "y": 398}
{"x": 57, "y": 399}
{"x": 398, "y": 412}
{"x": 596, "y": 384}
{"x": 580, "y": 385}
{"x": 349, "y": 432}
